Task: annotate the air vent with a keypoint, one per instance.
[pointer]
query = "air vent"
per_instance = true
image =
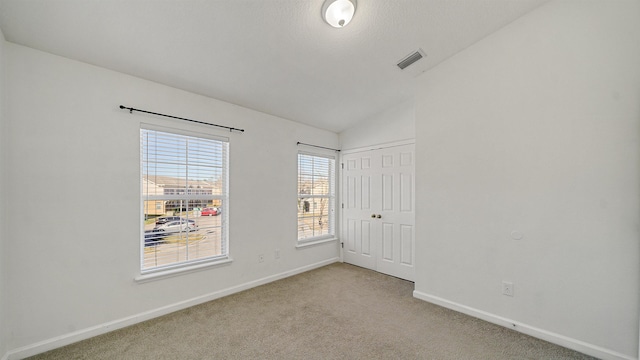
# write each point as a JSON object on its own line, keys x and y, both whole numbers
{"x": 412, "y": 58}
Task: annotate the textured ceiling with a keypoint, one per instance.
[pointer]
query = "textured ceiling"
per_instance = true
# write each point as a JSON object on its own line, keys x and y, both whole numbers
{"x": 274, "y": 56}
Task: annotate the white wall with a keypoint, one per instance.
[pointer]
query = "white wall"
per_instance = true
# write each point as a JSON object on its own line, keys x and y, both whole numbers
{"x": 394, "y": 124}
{"x": 535, "y": 129}
{"x": 73, "y": 171}
{"x": 3, "y": 142}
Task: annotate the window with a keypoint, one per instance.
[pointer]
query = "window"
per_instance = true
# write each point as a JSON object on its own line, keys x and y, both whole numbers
{"x": 316, "y": 197}
{"x": 181, "y": 175}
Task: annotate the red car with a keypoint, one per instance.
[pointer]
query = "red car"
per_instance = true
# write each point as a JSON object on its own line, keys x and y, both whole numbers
{"x": 210, "y": 211}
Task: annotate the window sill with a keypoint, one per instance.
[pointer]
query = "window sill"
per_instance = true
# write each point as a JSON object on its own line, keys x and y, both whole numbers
{"x": 302, "y": 245}
{"x": 187, "y": 269}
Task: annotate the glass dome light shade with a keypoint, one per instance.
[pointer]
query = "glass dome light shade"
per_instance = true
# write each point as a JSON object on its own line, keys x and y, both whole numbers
{"x": 338, "y": 13}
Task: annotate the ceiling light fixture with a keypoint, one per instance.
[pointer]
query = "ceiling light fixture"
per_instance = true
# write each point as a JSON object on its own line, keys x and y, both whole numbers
{"x": 338, "y": 13}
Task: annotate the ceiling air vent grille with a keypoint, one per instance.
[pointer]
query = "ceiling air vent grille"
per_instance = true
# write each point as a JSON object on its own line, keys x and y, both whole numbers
{"x": 412, "y": 58}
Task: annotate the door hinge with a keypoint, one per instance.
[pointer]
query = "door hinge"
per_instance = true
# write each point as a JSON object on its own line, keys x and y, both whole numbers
{"x": 343, "y": 205}
{"x": 342, "y": 245}
{"x": 342, "y": 164}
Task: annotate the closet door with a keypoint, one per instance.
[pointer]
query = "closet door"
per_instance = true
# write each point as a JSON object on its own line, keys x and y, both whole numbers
{"x": 378, "y": 213}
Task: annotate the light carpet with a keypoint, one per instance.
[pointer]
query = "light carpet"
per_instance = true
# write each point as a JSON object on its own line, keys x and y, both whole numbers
{"x": 338, "y": 311}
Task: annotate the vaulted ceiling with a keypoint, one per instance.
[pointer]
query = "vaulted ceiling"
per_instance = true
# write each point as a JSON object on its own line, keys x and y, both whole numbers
{"x": 274, "y": 56}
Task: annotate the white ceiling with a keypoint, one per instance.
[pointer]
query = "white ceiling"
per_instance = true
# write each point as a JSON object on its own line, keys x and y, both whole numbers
{"x": 275, "y": 56}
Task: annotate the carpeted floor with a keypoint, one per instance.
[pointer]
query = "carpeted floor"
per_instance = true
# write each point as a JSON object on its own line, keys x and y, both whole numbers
{"x": 335, "y": 312}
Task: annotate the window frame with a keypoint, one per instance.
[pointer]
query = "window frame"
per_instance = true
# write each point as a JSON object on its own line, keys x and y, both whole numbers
{"x": 331, "y": 197}
{"x": 151, "y": 273}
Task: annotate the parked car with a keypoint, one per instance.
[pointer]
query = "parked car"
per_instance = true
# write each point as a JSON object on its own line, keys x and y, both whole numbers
{"x": 176, "y": 226}
{"x": 212, "y": 211}
{"x": 166, "y": 219}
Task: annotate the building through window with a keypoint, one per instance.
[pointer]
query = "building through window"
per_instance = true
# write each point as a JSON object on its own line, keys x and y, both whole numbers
{"x": 316, "y": 197}
{"x": 183, "y": 177}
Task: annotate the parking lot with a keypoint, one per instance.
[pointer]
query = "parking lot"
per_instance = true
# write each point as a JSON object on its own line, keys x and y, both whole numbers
{"x": 201, "y": 221}
{"x": 173, "y": 247}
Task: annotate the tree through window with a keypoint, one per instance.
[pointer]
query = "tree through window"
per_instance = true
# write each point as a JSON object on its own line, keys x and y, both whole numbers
{"x": 316, "y": 197}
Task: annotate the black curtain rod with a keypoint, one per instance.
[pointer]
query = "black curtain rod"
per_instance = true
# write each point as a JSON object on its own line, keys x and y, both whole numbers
{"x": 131, "y": 110}
{"x": 321, "y": 147}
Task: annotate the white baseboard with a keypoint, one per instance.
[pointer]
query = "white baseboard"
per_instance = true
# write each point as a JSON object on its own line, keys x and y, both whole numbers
{"x": 87, "y": 333}
{"x": 551, "y": 337}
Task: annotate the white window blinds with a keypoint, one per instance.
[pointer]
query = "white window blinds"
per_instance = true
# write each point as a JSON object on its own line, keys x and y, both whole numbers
{"x": 184, "y": 199}
{"x": 316, "y": 197}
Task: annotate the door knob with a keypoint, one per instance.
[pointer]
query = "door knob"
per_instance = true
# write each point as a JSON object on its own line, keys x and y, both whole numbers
{"x": 379, "y": 216}
{"x": 373, "y": 216}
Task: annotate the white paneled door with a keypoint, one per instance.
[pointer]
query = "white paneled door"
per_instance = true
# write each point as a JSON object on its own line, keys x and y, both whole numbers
{"x": 378, "y": 190}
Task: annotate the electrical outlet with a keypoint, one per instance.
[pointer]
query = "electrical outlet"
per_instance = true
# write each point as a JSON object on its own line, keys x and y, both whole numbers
{"x": 261, "y": 258}
{"x": 507, "y": 288}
